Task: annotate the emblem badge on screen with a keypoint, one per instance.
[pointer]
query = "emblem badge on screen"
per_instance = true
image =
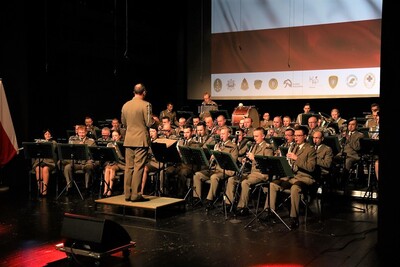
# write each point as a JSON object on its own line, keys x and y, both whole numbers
{"x": 333, "y": 81}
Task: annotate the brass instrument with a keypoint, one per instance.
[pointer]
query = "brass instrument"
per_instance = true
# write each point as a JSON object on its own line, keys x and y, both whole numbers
{"x": 218, "y": 147}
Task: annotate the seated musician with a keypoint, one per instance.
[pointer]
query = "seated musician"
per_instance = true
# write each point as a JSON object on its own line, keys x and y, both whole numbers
{"x": 152, "y": 164}
{"x": 303, "y": 161}
{"x": 110, "y": 168}
{"x": 183, "y": 172}
{"x": 87, "y": 166}
{"x": 248, "y": 127}
{"x": 201, "y": 137}
{"x": 258, "y": 147}
{"x": 351, "y": 147}
{"x": 215, "y": 173}
{"x": 44, "y": 167}
{"x": 324, "y": 156}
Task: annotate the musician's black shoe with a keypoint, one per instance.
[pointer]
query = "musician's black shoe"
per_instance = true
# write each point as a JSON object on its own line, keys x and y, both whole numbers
{"x": 209, "y": 205}
{"x": 243, "y": 212}
{"x": 294, "y": 223}
{"x": 196, "y": 201}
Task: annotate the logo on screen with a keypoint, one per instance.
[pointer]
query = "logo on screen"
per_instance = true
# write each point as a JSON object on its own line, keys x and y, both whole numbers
{"x": 257, "y": 84}
{"x": 273, "y": 83}
{"x": 244, "y": 85}
{"x": 369, "y": 80}
{"x": 217, "y": 85}
{"x": 333, "y": 81}
{"x": 351, "y": 80}
{"x": 231, "y": 84}
{"x": 287, "y": 83}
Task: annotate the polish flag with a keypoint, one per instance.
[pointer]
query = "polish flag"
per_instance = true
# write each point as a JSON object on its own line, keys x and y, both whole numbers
{"x": 8, "y": 139}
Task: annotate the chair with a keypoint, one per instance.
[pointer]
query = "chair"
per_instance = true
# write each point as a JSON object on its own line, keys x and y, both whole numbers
{"x": 306, "y": 198}
{"x": 257, "y": 191}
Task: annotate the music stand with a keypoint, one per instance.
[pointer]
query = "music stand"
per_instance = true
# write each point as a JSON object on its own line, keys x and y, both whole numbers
{"x": 370, "y": 148}
{"x": 40, "y": 151}
{"x": 193, "y": 156}
{"x": 272, "y": 165}
{"x": 277, "y": 141}
{"x": 72, "y": 152}
{"x": 185, "y": 114}
{"x": 226, "y": 162}
{"x": 216, "y": 113}
{"x": 164, "y": 151}
{"x": 306, "y": 116}
{"x": 332, "y": 142}
{"x": 103, "y": 154}
{"x": 102, "y": 143}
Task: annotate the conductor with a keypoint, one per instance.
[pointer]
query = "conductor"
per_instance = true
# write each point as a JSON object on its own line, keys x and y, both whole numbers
{"x": 137, "y": 116}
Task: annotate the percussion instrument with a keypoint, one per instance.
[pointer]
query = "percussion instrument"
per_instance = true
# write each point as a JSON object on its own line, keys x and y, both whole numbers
{"x": 241, "y": 112}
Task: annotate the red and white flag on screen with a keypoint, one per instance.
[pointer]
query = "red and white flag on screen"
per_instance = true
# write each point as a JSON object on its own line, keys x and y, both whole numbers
{"x": 8, "y": 139}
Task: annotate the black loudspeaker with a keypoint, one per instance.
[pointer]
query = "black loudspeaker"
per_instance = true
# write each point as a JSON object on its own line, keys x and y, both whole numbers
{"x": 92, "y": 234}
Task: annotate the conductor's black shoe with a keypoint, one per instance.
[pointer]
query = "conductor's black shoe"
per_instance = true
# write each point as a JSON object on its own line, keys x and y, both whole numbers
{"x": 294, "y": 223}
{"x": 243, "y": 212}
{"x": 140, "y": 199}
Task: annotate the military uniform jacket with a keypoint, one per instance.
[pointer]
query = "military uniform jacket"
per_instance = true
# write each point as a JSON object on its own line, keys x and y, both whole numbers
{"x": 136, "y": 115}
{"x": 306, "y": 162}
{"x": 261, "y": 149}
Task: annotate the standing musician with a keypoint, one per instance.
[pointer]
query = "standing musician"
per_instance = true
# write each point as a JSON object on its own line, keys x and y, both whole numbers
{"x": 215, "y": 174}
{"x": 207, "y": 105}
{"x": 304, "y": 161}
{"x": 258, "y": 147}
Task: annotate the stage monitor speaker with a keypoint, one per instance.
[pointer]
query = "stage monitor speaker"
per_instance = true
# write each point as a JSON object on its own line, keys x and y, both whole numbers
{"x": 92, "y": 234}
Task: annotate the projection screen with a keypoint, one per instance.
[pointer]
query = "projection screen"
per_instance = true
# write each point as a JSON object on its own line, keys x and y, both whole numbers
{"x": 294, "y": 49}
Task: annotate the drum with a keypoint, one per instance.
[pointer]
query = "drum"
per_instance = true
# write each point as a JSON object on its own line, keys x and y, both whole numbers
{"x": 241, "y": 112}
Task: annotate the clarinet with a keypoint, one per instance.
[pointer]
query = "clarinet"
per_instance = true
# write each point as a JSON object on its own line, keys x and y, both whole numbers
{"x": 291, "y": 147}
{"x": 246, "y": 159}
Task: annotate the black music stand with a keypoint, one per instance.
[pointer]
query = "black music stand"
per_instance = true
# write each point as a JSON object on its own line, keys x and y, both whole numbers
{"x": 103, "y": 154}
{"x": 306, "y": 116}
{"x": 185, "y": 114}
{"x": 226, "y": 162}
{"x": 216, "y": 113}
{"x": 40, "y": 151}
{"x": 278, "y": 166}
{"x": 72, "y": 152}
{"x": 164, "y": 151}
{"x": 332, "y": 142}
{"x": 369, "y": 148}
{"x": 193, "y": 156}
{"x": 278, "y": 141}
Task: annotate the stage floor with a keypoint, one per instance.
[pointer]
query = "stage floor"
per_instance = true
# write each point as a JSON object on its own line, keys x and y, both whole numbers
{"x": 146, "y": 210}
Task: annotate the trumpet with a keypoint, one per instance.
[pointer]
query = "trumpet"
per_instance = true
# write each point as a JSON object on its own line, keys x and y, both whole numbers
{"x": 218, "y": 146}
